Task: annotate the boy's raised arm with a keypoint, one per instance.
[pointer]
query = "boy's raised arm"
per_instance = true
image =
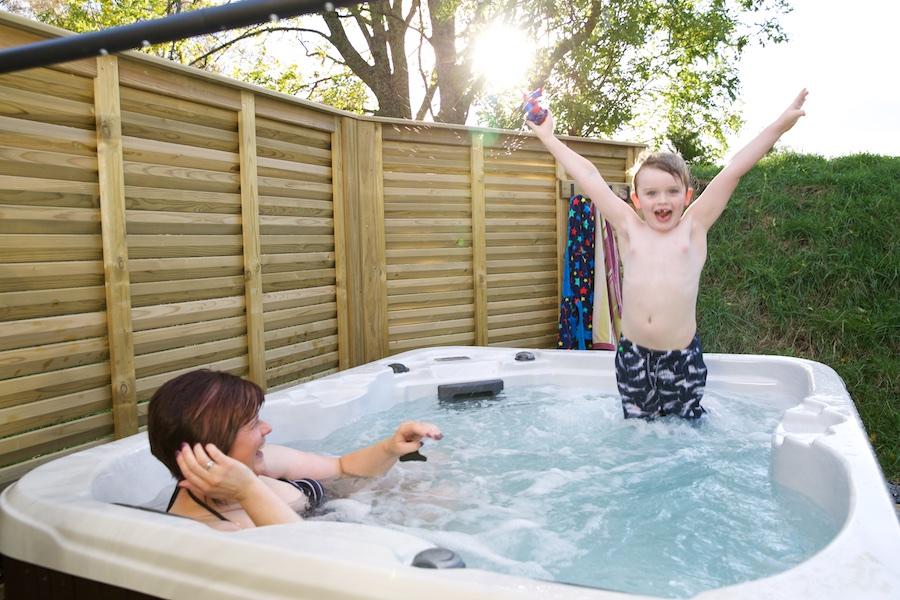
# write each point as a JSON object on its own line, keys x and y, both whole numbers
{"x": 712, "y": 201}
{"x": 586, "y": 174}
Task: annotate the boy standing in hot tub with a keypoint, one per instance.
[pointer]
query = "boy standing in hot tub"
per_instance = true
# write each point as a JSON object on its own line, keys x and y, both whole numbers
{"x": 659, "y": 362}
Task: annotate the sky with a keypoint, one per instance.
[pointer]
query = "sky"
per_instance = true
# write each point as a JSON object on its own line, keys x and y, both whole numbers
{"x": 844, "y": 53}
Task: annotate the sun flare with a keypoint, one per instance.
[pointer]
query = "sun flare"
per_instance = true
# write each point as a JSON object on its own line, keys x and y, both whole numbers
{"x": 503, "y": 54}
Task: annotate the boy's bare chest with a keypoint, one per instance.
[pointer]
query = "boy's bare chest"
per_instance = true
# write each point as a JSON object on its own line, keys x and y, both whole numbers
{"x": 675, "y": 254}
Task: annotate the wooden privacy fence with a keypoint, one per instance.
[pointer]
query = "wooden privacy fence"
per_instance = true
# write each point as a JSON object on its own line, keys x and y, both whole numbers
{"x": 156, "y": 219}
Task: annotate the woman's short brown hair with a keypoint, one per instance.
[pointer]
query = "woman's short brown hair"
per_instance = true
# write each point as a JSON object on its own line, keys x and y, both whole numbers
{"x": 206, "y": 407}
{"x": 664, "y": 161}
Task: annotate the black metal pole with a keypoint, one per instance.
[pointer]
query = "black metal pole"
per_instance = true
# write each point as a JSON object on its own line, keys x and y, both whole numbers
{"x": 156, "y": 31}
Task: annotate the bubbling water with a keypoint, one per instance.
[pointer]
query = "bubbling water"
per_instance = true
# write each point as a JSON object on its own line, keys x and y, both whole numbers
{"x": 554, "y": 484}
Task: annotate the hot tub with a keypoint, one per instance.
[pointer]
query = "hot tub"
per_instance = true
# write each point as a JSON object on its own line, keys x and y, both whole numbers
{"x": 76, "y": 516}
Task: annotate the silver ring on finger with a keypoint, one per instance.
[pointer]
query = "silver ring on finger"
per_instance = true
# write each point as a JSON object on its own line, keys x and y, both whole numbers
{"x": 209, "y": 465}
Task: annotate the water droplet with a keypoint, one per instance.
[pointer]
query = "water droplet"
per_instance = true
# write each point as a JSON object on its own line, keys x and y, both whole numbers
{"x": 104, "y": 52}
{"x": 145, "y": 43}
{"x": 273, "y": 18}
{"x": 329, "y": 6}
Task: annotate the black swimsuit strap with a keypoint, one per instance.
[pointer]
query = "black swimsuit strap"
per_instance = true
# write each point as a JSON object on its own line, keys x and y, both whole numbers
{"x": 207, "y": 506}
{"x": 172, "y": 499}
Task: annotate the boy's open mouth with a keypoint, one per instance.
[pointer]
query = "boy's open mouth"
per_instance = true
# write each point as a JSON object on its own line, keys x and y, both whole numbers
{"x": 663, "y": 214}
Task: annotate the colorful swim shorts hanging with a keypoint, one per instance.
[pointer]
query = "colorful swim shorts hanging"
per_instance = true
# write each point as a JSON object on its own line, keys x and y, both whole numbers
{"x": 577, "y": 305}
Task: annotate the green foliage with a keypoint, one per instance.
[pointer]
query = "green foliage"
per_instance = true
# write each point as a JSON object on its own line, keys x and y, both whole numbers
{"x": 670, "y": 68}
{"x": 228, "y": 51}
{"x": 341, "y": 90}
{"x": 806, "y": 262}
{"x": 89, "y": 15}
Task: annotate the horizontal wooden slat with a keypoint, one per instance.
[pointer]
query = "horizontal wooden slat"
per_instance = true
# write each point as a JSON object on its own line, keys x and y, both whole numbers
{"x": 273, "y": 301}
{"x": 279, "y": 263}
{"x": 444, "y": 327}
{"x": 41, "y": 386}
{"x": 455, "y": 339}
{"x": 49, "y": 330}
{"x": 273, "y": 282}
{"x": 147, "y": 385}
{"x": 48, "y": 136}
{"x": 16, "y": 471}
{"x": 23, "y": 417}
{"x": 282, "y": 150}
{"x": 48, "y": 220}
{"x": 24, "y": 446}
{"x": 170, "y": 246}
{"x": 165, "y": 106}
{"x": 416, "y": 271}
{"x": 182, "y": 313}
{"x": 48, "y": 303}
{"x": 277, "y": 319}
{"x": 287, "y": 336}
{"x": 163, "y": 269}
{"x": 176, "y": 336}
{"x": 421, "y": 300}
{"x": 284, "y": 355}
{"x": 22, "y": 104}
{"x": 197, "y": 354}
{"x": 436, "y": 284}
{"x": 50, "y": 82}
{"x": 145, "y": 222}
{"x": 183, "y": 290}
{"x": 52, "y": 357}
{"x": 308, "y": 366}
{"x": 430, "y": 314}
{"x": 21, "y": 277}
{"x": 177, "y": 132}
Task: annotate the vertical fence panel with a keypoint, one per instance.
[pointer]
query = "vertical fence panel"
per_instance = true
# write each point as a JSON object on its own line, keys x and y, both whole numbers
{"x": 521, "y": 191}
{"x": 374, "y": 277}
{"x": 340, "y": 246}
{"x": 429, "y": 239}
{"x": 115, "y": 248}
{"x": 349, "y": 150}
{"x": 256, "y": 348}
{"x": 479, "y": 261}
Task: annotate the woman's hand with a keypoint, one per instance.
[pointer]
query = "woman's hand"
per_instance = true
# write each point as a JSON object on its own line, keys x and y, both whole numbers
{"x": 213, "y": 474}
{"x": 409, "y": 435}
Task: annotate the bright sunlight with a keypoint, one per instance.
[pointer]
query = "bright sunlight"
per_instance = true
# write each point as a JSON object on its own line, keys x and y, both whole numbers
{"x": 503, "y": 55}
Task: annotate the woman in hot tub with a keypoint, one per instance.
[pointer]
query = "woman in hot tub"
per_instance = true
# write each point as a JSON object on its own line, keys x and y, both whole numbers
{"x": 205, "y": 427}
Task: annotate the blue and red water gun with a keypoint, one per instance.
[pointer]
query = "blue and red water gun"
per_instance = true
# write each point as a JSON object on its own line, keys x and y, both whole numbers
{"x": 534, "y": 112}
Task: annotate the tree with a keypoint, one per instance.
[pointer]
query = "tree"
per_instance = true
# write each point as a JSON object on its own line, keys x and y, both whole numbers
{"x": 666, "y": 68}
{"x": 669, "y": 66}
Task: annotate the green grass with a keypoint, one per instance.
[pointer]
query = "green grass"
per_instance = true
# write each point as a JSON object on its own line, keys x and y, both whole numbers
{"x": 805, "y": 262}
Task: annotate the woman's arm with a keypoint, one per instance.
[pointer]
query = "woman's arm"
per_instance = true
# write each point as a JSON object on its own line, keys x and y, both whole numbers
{"x": 372, "y": 461}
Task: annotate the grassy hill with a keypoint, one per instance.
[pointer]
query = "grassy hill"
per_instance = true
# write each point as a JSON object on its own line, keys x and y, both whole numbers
{"x": 805, "y": 262}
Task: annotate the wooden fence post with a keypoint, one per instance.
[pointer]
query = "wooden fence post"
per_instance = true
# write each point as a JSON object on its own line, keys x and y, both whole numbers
{"x": 562, "y": 228}
{"x": 256, "y": 344}
{"x": 479, "y": 240}
{"x": 339, "y": 206}
{"x": 373, "y": 265}
{"x": 110, "y": 167}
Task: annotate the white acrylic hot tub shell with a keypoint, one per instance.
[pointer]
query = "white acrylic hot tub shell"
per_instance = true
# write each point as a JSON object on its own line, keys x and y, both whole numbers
{"x": 59, "y": 516}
